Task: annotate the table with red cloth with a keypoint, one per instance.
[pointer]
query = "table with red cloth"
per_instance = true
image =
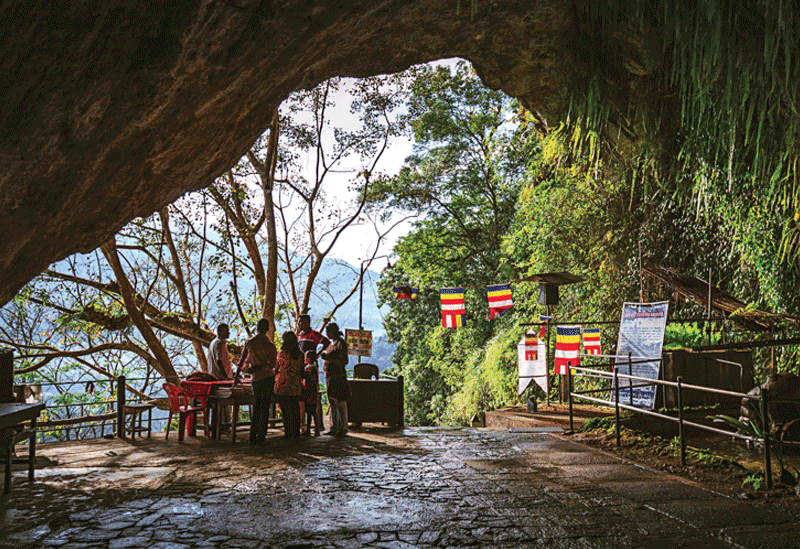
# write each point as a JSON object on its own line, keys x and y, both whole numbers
{"x": 203, "y": 392}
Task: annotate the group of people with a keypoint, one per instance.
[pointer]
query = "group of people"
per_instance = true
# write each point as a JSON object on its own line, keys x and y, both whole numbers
{"x": 290, "y": 376}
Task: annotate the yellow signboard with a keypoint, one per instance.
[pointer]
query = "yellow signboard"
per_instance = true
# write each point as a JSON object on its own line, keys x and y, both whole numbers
{"x": 359, "y": 342}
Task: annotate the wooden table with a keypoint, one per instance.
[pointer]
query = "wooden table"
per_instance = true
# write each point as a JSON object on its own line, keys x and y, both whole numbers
{"x": 201, "y": 391}
{"x": 379, "y": 401}
{"x": 136, "y": 411}
{"x": 11, "y": 415}
{"x": 235, "y": 400}
{"x": 204, "y": 392}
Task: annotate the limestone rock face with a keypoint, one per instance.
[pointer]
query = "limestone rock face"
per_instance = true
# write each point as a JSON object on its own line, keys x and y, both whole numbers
{"x": 111, "y": 110}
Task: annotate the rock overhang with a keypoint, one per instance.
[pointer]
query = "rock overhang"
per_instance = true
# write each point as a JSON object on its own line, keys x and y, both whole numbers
{"x": 113, "y": 111}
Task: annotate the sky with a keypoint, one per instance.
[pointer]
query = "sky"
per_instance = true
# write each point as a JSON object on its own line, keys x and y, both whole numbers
{"x": 360, "y": 241}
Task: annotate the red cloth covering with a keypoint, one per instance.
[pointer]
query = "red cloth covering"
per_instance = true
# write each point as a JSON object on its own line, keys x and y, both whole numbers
{"x": 201, "y": 389}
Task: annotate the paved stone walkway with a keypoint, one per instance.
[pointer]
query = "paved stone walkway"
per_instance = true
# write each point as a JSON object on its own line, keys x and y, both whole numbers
{"x": 410, "y": 488}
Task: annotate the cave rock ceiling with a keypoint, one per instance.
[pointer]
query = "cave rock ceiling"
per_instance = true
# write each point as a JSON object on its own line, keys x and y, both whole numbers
{"x": 111, "y": 110}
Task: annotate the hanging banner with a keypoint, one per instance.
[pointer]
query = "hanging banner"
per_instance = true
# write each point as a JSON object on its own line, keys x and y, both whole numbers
{"x": 454, "y": 312}
{"x": 500, "y": 302}
{"x": 359, "y": 342}
{"x": 591, "y": 341}
{"x": 641, "y": 334}
{"x": 568, "y": 348}
{"x": 532, "y": 364}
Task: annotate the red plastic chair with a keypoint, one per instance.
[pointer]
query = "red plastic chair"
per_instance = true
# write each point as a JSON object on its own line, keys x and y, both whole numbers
{"x": 199, "y": 391}
{"x": 179, "y": 403}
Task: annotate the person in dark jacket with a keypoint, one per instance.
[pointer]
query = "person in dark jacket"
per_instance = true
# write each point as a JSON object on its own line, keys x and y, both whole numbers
{"x": 258, "y": 358}
{"x": 335, "y": 361}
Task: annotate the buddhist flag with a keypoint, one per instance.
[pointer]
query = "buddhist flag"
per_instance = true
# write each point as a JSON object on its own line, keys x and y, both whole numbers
{"x": 405, "y": 292}
{"x": 543, "y": 327}
{"x": 568, "y": 348}
{"x": 531, "y": 346}
{"x": 454, "y": 313}
{"x": 591, "y": 341}
{"x": 499, "y": 299}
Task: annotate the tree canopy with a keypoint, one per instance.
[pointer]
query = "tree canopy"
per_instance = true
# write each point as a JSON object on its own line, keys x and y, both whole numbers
{"x": 594, "y": 215}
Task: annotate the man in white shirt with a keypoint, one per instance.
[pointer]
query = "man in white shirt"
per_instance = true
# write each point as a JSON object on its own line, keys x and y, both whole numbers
{"x": 219, "y": 362}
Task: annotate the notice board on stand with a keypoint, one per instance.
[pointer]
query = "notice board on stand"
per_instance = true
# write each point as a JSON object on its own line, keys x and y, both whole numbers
{"x": 641, "y": 337}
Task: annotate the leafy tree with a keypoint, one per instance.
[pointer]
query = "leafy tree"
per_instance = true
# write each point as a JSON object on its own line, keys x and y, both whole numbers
{"x": 144, "y": 300}
{"x": 304, "y": 219}
{"x": 463, "y": 179}
{"x": 137, "y": 285}
{"x": 604, "y": 220}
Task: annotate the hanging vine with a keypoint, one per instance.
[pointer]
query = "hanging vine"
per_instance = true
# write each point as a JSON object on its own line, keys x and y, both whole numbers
{"x": 724, "y": 77}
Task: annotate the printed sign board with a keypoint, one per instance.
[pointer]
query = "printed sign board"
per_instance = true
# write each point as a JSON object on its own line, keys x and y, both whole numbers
{"x": 359, "y": 342}
{"x": 641, "y": 335}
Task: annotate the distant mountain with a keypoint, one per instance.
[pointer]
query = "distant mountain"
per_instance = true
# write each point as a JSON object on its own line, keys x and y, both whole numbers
{"x": 382, "y": 352}
{"x": 335, "y": 280}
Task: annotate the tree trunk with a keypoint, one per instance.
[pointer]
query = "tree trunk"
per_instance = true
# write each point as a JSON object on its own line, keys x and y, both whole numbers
{"x": 180, "y": 284}
{"x": 266, "y": 172}
{"x": 164, "y": 364}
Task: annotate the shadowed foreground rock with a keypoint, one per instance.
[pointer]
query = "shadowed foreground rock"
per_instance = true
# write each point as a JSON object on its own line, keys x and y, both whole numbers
{"x": 414, "y": 488}
{"x": 113, "y": 109}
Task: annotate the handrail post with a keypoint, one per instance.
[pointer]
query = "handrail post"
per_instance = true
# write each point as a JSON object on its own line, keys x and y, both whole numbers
{"x": 560, "y": 381}
{"x": 630, "y": 381}
{"x": 6, "y": 375}
{"x": 680, "y": 421}
{"x": 569, "y": 389}
{"x": 547, "y": 354}
{"x": 121, "y": 406}
{"x": 401, "y": 404}
{"x": 767, "y": 456}
{"x": 616, "y": 405}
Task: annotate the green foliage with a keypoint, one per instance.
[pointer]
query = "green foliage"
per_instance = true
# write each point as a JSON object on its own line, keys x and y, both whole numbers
{"x": 756, "y": 479}
{"x": 491, "y": 380}
{"x": 598, "y": 424}
{"x": 723, "y": 114}
{"x": 464, "y": 176}
{"x": 751, "y": 428}
{"x": 569, "y": 220}
{"x": 683, "y": 335}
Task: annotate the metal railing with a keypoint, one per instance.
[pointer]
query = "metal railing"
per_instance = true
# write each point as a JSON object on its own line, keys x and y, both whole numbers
{"x": 614, "y": 378}
{"x": 91, "y": 423}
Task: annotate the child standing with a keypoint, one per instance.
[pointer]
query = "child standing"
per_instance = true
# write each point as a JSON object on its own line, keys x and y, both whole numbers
{"x": 311, "y": 393}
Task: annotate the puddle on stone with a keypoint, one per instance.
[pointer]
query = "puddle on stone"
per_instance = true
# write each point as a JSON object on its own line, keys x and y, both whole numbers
{"x": 290, "y": 514}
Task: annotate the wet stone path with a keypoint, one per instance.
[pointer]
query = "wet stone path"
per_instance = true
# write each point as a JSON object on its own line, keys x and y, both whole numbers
{"x": 401, "y": 489}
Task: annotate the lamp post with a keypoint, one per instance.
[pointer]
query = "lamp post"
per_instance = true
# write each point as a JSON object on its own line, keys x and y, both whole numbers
{"x": 361, "y": 295}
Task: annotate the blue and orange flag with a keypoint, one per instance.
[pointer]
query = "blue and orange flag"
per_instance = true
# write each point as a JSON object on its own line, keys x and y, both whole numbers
{"x": 568, "y": 348}
{"x": 454, "y": 312}
{"x": 591, "y": 341}
{"x": 543, "y": 327}
{"x": 405, "y": 292}
{"x": 499, "y": 299}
